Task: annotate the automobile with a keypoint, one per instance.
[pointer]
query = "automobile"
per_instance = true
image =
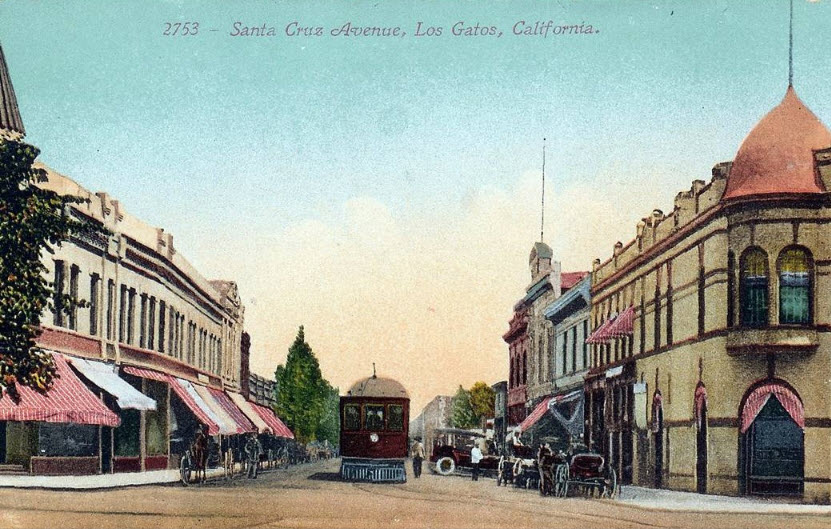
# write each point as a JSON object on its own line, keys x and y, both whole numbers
{"x": 451, "y": 451}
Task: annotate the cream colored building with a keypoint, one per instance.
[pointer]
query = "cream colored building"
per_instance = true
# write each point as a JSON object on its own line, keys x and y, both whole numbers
{"x": 718, "y": 377}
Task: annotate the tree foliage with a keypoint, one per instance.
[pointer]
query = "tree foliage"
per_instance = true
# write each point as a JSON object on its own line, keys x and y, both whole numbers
{"x": 329, "y": 427}
{"x": 482, "y": 400}
{"x": 304, "y": 397}
{"x": 463, "y": 415}
{"x": 32, "y": 221}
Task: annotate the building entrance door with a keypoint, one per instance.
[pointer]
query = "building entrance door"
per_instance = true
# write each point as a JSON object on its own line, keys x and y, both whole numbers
{"x": 701, "y": 451}
{"x": 659, "y": 449}
{"x": 774, "y": 452}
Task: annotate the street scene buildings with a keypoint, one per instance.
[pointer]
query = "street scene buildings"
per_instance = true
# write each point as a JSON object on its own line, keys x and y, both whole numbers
{"x": 682, "y": 371}
{"x": 156, "y": 354}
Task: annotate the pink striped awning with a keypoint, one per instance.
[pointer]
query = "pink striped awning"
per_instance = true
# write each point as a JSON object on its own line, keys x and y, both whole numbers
{"x": 273, "y": 422}
{"x": 243, "y": 424}
{"x": 182, "y": 392}
{"x": 621, "y": 326}
{"x": 145, "y": 373}
{"x": 597, "y": 336}
{"x": 67, "y": 401}
{"x": 759, "y": 397}
{"x": 535, "y": 415}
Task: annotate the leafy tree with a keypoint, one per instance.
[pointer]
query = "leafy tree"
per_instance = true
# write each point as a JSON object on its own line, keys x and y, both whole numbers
{"x": 32, "y": 221}
{"x": 463, "y": 415}
{"x": 329, "y": 427}
{"x": 482, "y": 400}
{"x": 301, "y": 390}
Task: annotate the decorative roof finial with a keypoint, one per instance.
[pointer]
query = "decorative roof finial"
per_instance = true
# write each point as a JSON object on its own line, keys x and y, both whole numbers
{"x": 790, "y": 50}
{"x": 373, "y": 370}
{"x": 11, "y": 125}
{"x": 542, "y": 204}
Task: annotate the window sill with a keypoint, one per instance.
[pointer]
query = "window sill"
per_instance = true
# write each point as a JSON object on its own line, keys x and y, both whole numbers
{"x": 781, "y": 339}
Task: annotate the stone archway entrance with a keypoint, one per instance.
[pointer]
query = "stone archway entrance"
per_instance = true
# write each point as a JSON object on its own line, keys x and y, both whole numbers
{"x": 773, "y": 441}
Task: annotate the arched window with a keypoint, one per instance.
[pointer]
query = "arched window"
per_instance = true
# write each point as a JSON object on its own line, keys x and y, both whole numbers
{"x": 795, "y": 301}
{"x": 754, "y": 288}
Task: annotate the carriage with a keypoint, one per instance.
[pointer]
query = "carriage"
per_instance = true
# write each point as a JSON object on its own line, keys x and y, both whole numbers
{"x": 517, "y": 466}
{"x": 374, "y": 426}
{"x": 585, "y": 471}
{"x": 452, "y": 447}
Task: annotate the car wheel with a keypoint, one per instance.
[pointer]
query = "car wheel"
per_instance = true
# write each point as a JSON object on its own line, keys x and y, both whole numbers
{"x": 445, "y": 466}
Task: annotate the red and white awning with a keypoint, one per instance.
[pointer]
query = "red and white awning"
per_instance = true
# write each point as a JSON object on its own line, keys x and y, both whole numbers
{"x": 277, "y": 427}
{"x": 535, "y": 415}
{"x": 242, "y": 422}
{"x": 759, "y": 397}
{"x": 67, "y": 401}
{"x": 247, "y": 408}
{"x": 621, "y": 326}
{"x": 180, "y": 388}
{"x": 598, "y": 335}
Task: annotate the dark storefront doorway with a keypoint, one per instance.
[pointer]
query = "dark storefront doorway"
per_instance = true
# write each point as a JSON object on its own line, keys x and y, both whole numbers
{"x": 774, "y": 454}
{"x": 701, "y": 451}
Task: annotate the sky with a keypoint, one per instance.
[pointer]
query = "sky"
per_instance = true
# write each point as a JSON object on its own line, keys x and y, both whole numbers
{"x": 384, "y": 192}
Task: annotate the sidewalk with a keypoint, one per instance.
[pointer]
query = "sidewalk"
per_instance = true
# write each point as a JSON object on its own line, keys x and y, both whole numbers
{"x": 671, "y": 500}
{"x": 98, "y": 481}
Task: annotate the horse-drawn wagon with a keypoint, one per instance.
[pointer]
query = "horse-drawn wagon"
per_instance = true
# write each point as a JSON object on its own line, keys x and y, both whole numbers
{"x": 584, "y": 471}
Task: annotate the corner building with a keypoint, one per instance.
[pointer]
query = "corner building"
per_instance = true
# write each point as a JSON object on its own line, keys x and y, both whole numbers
{"x": 712, "y": 328}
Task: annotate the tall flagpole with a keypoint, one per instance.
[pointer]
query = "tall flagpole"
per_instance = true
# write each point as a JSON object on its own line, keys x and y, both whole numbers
{"x": 790, "y": 50}
{"x": 542, "y": 205}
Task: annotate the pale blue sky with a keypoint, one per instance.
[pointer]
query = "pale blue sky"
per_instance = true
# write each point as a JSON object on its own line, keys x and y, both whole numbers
{"x": 222, "y": 139}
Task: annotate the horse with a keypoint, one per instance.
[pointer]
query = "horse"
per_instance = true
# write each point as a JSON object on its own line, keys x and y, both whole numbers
{"x": 200, "y": 456}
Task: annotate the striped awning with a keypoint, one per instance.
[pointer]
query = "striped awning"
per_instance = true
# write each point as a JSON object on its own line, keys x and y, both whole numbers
{"x": 184, "y": 390}
{"x": 597, "y": 336}
{"x": 67, "y": 401}
{"x": 760, "y": 396}
{"x": 105, "y": 377}
{"x": 622, "y": 325}
{"x": 227, "y": 425}
{"x": 248, "y": 409}
{"x": 243, "y": 424}
{"x": 277, "y": 427}
{"x": 535, "y": 415}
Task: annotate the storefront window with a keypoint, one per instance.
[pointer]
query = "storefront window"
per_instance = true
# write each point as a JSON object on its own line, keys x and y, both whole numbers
{"x": 67, "y": 440}
{"x": 351, "y": 417}
{"x": 126, "y": 436}
{"x": 374, "y": 417}
{"x": 396, "y": 418}
{"x": 156, "y": 420}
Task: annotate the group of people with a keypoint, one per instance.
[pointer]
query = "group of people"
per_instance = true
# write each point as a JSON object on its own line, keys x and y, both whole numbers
{"x": 199, "y": 449}
{"x": 512, "y": 442}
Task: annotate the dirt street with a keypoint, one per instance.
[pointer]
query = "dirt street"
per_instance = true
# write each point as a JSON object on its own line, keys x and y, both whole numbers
{"x": 312, "y": 496}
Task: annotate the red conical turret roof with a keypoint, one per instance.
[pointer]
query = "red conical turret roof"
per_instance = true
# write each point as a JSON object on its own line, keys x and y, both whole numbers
{"x": 10, "y": 123}
{"x": 777, "y": 156}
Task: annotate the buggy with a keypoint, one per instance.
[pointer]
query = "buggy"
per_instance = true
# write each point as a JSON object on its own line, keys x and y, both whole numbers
{"x": 585, "y": 471}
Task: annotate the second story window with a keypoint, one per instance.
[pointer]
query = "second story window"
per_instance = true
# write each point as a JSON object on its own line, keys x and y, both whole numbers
{"x": 754, "y": 288}
{"x": 794, "y": 286}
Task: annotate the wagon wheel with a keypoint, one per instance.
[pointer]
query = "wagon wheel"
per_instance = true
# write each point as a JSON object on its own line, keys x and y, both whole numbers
{"x": 561, "y": 480}
{"x": 542, "y": 480}
{"x": 517, "y": 473}
{"x": 500, "y": 472}
{"x": 610, "y": 484}
{"x": 445, "y": 466}
{"x": 185, "y": 469}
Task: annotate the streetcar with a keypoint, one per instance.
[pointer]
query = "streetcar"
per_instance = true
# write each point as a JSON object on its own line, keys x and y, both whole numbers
{"x": 375, "y": 416}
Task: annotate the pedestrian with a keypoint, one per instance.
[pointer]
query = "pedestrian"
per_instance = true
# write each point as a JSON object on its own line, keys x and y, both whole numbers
{"x": 253, "y": 449}
{"x": 475, "y": 458}
{"x": 418, "y": 456}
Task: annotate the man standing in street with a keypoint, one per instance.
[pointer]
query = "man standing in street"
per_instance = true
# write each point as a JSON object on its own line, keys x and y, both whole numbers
{"x": 418, "y": 456}
{"x": 475, "y": 458}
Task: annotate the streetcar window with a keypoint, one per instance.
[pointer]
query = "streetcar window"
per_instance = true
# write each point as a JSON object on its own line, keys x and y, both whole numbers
{"x": 395, "y": 422}
{"x": 374, "y": 417}
{"x": 351, "y": 417}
